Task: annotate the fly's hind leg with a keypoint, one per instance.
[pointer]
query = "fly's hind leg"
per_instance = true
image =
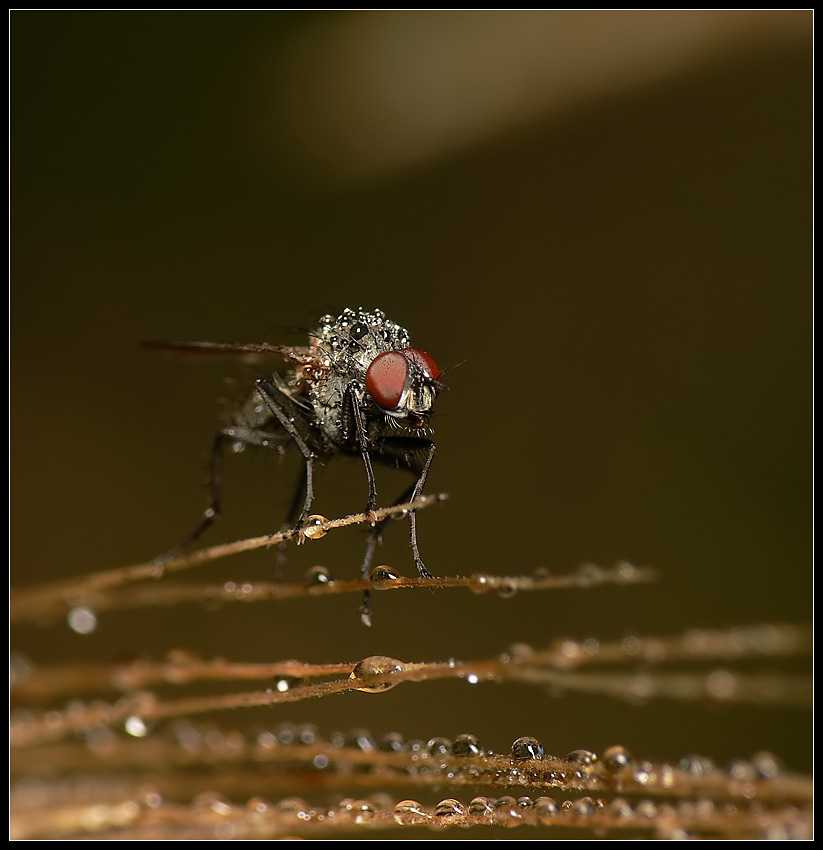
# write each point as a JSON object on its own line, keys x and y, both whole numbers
{"x": 287, "y": 413}
{"x": 214, "y": 505}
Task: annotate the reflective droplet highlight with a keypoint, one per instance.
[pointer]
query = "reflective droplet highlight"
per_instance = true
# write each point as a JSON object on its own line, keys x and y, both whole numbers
{"x": 376, "y": 665}
{"x": 409, "y": 812}
{"x": 481, "y": 810}
{"x": 526, "y": 749}
{"x": 449, "y": 811}
{"x": 82, "y": 620}
{"x": 616, "y": 758}
{"x": 317, "y": 577}
{"x": 136, "y": 726}
{"x": 583, "y": 757}
{"x": 382, "y": 575}
{"x": 466, "y": 745}
{"x": 312, "y": 527}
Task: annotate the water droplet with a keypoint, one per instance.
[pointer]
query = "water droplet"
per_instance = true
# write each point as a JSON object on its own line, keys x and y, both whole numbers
{"x": 698, "y": 765}
{"x": 360, "y": 739}
{"x": 585, "y": 806}
{"x": 312, "y": 527}
{"x": 481, "y": 810}
{"x": 646, "y": 809}
{"x": 620, "y": 808}
{"x": 521, "y": 653}
{"x": 526, "y": 749}
{"x": 317, "y": 577}
{"x": 616, "y": 758}
{"x": 383, "y": 575}
{"x": 258, "y": 806}
{"x": 376, "y": 665}
{"x": 150, "y": 797}
{"x": 466, "y": 745}
{"x": 582, "y": 757}
{"x": 82, "y": 620}
{"x": 742, "y": 770}
{"x": 212, "y": 802}
{"x": 294, "y": 806}
{"x": 392, "y": 742}
{"x": 363, "y": 811}
{"x": 479, "y": 583}
{"x": 506, "y": 812}
{"x": 766, "y": 764}
{"x": 286, "y": 733}
{"x": 626, "y": 572}
{"x": 439, "y": 746}
{"x": 721, "y": 685}
{"x": 506, "y": 590}
{"x": 449, "y": 811}
{"x": 307, "y": 734}
{"x": 632, "y": 645}
{"x": 569, "y": 652}
{"x": 545, "y": 809}
{"x": 645, "y": 774}
{"x": 408, "y": 812}
{"x": 136, "y": 726}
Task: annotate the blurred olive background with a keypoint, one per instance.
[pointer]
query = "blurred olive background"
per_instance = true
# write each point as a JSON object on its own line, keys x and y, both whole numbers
{"x": 599, "y": 224}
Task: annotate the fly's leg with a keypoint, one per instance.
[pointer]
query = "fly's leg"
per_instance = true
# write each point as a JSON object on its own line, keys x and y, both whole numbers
{"x": 291, "y": 521}
{"x": 418, "y": 489}
{"x": 371, "y": 545}
{"x": 363, "y": 444}
{"x": 410, "y": 494}
{"x": 214, "y": 505}
{"x": 272, "y": 396}
{"x": 361, "y": 436}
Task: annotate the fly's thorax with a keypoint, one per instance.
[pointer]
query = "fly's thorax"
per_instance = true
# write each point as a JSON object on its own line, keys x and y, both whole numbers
{"x": 364, "y": 353}
{"x": 348, "y": 343}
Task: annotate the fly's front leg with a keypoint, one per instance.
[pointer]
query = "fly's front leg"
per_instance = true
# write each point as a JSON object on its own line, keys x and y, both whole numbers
{"x": 363, "y": 444}
{"x": 272, "y": 396}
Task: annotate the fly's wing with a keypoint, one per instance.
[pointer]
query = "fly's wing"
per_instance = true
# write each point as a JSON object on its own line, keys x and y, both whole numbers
{"x": 249, "y": 352}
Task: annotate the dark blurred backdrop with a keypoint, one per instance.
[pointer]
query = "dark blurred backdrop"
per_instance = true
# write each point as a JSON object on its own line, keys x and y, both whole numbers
{"x": 600, "y": 226}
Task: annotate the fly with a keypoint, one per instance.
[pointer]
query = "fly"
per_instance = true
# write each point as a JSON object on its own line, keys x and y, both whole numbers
{"x": 357, "y": 388}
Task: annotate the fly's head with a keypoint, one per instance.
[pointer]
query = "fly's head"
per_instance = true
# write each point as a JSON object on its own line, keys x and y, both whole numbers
{"x": 399, "y": 382}
{"x": 404, "y": 385}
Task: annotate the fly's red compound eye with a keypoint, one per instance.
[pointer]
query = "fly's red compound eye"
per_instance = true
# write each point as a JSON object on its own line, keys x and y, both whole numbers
{"x": 424, "y": 361}
{"x": 386, "y": 377}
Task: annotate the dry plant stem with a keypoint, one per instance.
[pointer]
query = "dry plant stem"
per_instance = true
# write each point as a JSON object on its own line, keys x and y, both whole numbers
{"x": 54, "y": 599}
{"x": 239, "y": 766}
{"x": 169, "y": 593}
{"x": 543, "y": 668}
{"x": 212, "y": 817}
{"x": 40, "y": 684}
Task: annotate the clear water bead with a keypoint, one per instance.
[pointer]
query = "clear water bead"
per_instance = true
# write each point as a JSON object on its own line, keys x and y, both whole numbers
{"x": 376, "y": 665}
{"x": 312, "y": 528}
{"x": 527, "y": 749}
